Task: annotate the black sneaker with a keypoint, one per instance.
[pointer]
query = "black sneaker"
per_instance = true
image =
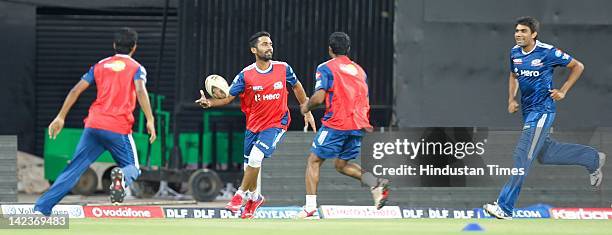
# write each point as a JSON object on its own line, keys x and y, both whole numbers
{"x": 117, "y": 188}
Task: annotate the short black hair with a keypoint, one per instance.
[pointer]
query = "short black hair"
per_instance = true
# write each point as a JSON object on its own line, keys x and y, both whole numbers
{"x": 532, "y": 23}
{"x": 340, "y": 43}
{"x": 125, "y": 39}
{"x": 254, "y": 38}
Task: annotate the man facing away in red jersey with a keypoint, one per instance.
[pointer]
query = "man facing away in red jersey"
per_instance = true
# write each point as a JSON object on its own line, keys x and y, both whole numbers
{"x": 120, "y": 80}
{"x": 341, "y": 84}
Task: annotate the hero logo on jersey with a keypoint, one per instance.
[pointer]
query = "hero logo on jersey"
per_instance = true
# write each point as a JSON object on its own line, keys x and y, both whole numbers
{"x": 271, "y": 96}
{"x": 267, "y": 97}
{"x": 278, "y": 85}
{"x": 536, "y": 63}
{"x": 530, "y": 73}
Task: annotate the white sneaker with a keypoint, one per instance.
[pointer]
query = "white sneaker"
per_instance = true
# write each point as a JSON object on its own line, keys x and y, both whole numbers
{"x": 496, "y": 211}
{"x": 597, "y": 176}
{"x": 380, "y": 193}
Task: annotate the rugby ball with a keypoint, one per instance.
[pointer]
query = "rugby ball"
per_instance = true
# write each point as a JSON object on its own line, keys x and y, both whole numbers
{"x": 216, "y": 81}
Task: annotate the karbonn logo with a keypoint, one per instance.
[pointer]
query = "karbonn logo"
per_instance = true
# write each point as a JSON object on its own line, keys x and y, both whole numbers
{"x": 120, "y": 212}
{"x": 527, "y": 214}
{"x": 530, "y": 73}
{"x": 573, "y": 213}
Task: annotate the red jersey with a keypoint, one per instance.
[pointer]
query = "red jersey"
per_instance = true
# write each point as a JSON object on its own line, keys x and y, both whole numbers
{"x": 346, "y": 101}
{"x": 116, "y": 98}
{"x": 263, "y": 95}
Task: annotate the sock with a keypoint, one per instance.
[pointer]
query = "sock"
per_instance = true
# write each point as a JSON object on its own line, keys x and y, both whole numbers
{"x": 240, "y": 192}
{"x": 128, "y": 192}
{"x": 311, "y": 202}
{"x": 254, "y": 196}
{"x": 369, "y": 179}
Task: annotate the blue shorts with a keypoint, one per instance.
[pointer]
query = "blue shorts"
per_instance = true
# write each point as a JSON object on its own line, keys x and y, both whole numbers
{"x": 332, "y": 143}
{"x": 265, "y": 141}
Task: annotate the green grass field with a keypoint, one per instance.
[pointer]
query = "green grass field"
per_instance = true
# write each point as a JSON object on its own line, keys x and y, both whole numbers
{"x": 315, "y": 227}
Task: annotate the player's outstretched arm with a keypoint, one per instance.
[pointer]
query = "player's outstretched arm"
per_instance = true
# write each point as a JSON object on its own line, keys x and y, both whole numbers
{"x": 58, "y": 123}
{"x": 513, "y": 106}
{"x": 576, "y": 69}
{"x": 143, "y": 99}
{"x": 209, "y": 103}
{"x": 300, "y": 94}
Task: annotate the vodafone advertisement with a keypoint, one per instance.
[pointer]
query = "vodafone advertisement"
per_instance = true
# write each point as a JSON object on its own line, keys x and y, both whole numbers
{"x": 581, "y": 213}
{"x": 140, "y": 212}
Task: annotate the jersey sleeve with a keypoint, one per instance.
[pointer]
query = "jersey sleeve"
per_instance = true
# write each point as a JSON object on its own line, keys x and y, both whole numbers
{"x": 323, "y": 78}
{"x": 141, "y": 74}
{"x": 237, "y": 86}
{"x": 511, "y": 62}
{"x": 557, "y": 57}
{"x": 291, "y": 77}
{"x": 89, "y": 76}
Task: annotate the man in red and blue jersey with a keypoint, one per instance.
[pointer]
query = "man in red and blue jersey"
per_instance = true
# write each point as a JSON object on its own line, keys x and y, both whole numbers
{"x": 120, "y": 80}
{"x": 341, "y": 84}
{"x": 262, "y": 87}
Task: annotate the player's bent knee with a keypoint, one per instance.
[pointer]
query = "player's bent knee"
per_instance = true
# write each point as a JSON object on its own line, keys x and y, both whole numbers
{"x": 313, "y": 158}
{"x": 256, "y": 157}
{"x": 339, "y": 164}
{"x": 339, "y": 168}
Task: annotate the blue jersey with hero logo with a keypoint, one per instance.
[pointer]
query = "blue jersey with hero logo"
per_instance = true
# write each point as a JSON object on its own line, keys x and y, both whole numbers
{"x": 534, "y": 72}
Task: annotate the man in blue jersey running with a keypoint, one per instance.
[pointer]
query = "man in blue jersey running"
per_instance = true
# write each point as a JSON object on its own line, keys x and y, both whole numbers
{"x": 532, "y": 63}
